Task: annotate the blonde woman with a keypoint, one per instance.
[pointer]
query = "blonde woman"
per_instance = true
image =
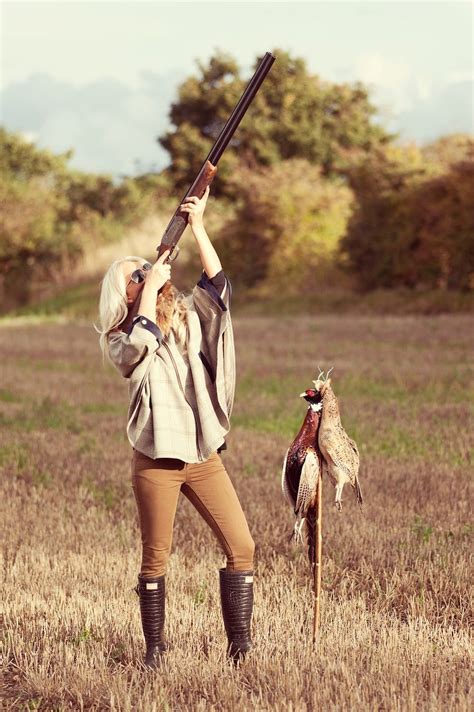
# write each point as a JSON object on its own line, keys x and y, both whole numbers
{"x": 178, "y": 356}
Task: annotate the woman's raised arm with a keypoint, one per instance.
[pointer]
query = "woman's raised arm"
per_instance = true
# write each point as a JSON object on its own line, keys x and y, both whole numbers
{"x": 195, "y": 209}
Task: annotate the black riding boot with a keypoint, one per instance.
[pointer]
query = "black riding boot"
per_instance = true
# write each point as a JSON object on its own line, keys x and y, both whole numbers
{"x": 152, "y": 608}
{"x": 236, "y": 589}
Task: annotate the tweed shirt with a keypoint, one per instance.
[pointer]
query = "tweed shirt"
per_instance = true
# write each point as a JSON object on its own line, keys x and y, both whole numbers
{"x": 180, "y": 404}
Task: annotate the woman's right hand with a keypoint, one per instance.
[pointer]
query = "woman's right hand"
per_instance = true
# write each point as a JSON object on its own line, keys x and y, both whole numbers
{"x": 160, "y": 273}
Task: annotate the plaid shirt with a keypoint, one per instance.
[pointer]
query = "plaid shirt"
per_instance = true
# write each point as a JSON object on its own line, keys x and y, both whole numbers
{"x": 181, "y": 407}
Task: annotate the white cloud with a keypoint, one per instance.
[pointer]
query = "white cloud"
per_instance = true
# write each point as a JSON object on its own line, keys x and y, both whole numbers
{"x": 424, "y": 87}
{"x": 388, "y": 79}
{"x": 29, "y": 136}
{"x": 419, "y": 106}
{"x": 459, "y": 77}
{"x": 377, "y": 69}
{"x": 108, "y": 124}
{"x": 448, "y": 110}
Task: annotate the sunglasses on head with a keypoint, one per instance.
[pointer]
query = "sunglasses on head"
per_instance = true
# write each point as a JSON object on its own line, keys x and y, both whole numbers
{"x": 138, "y": 275}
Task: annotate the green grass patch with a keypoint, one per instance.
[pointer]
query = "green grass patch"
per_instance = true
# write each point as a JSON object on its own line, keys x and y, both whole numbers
{"x": 9, "y": 397}
{"x": 200, "y": 595}
{"x": 79, "y": 301}
{"x": 44, "y": 415}
{"x": 14, "y": 455}
{"x": 107, "y": 495}
{"x": 285, "y": 424}
{"x": 88, "y": 444}
{"x": 353, "y": 386}
{"x": 251, "y": 384}
{"x": 249, "y": 469}
{"x": 437, "y": 390}
{"x": 101, "y": 408}
{"x": 86, "y": 635}
{"x": 52, "y": 365}
{"x": 281, "y": 414}
{"x": 334, "y": 301}
{"x": 414, "y": 441}
{"x": 42, "y": 478}
{"x": 17, "y": 459}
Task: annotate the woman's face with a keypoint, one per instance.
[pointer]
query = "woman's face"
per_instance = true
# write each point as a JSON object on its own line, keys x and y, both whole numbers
{"x": 133, "y": 289}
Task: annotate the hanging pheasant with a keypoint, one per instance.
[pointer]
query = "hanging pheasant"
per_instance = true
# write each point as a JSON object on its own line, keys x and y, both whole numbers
{"x": 301, "y": 471}
{"x": 321, "y": 446}
{"x": 301, "y": 483}
{"x": 339, "y": 451}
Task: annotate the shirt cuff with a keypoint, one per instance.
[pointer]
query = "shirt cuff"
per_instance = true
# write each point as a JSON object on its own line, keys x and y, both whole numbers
{"x": 218, "y": 280}
{"x": 148, "y": 324}
{"x": 208, "y": 284}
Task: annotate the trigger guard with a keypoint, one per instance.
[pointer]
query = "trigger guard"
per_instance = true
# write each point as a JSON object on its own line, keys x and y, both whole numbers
{"x": 173, "y": 254}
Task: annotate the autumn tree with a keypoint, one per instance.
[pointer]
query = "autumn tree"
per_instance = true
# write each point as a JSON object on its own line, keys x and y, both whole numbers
{"x": 285, "y": 231}
{"x": 413, "y": 225}
{"x": 52, "y": 214}
{"x": 294, "y": 115}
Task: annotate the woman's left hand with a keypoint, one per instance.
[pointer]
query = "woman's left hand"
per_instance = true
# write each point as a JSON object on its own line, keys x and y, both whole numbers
{"x": 195, "y": 208}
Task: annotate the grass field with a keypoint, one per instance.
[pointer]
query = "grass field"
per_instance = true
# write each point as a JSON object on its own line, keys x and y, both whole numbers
{"x": 396, "y": 576}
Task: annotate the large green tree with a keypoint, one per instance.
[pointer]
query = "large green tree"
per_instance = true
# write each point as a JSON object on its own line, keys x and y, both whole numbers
{"x": 294, "y": 115}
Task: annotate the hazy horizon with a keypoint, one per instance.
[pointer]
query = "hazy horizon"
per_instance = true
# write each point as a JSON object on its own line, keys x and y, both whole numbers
{"x": 99, "y": 77}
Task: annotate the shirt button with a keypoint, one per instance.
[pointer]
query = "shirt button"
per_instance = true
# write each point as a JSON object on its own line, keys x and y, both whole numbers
{"x": 143, "y": 321}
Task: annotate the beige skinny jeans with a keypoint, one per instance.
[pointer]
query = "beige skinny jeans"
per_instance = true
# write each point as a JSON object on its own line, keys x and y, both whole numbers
{"x": 156, "y": 486}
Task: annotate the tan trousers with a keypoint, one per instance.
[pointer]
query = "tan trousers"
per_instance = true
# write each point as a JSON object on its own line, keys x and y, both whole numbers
{"x": 156, "y": 486}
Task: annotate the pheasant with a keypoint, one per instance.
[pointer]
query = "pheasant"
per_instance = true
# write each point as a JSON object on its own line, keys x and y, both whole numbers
{"x": 301, "y": 470}
{"x": 339, "y": 451}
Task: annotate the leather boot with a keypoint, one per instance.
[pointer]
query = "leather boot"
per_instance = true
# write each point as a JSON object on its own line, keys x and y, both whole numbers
{"x": 152, "y": 608}
{"x": 236, "y": 589}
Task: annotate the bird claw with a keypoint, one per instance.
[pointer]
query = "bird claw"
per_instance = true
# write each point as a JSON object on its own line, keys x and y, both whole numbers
{"x": 298, "y": 537}
{"x": 338, "y": 504}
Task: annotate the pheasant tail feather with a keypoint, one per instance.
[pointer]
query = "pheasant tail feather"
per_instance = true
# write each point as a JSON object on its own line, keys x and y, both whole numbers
{"x": 358, "y": 491}
{"x": 311, "y": 533}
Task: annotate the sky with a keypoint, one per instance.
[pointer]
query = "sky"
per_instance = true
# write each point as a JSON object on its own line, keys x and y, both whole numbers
{"x": 99, "y": 77}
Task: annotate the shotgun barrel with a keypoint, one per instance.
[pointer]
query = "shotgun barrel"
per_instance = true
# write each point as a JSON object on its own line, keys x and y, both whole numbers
{"x": 206, "y": 173}
{"x": 243, "y": 104}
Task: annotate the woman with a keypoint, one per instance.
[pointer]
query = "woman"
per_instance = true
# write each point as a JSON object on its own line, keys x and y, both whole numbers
{"x": 178, "y": 354}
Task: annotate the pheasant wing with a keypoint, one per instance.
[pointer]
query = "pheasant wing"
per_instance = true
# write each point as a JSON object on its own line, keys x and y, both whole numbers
{"x": 353, "y": 445}
{"x": 307, "y": 490}
{"x": 284, "y": 482}
{"x": 337, "y": 451}
{"x": 308, "y": 482}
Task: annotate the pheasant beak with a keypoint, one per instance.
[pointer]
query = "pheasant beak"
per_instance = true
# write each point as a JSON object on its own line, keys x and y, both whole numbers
{"x": 302, "y": 395}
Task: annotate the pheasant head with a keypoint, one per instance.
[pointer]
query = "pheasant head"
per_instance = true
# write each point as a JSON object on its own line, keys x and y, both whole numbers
{"x": 329, "y": 401}
{"x": 322, "y": 379}
{"x": 313, "y": 397}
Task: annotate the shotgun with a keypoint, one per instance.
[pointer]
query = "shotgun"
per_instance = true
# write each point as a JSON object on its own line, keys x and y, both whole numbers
{"x": 205, "y": 176}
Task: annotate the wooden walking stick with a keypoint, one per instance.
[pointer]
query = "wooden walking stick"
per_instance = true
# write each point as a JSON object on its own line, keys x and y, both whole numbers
{"x": 318, "y": 545}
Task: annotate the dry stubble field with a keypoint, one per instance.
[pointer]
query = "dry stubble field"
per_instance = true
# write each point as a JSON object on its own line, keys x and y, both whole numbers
{"x": 396, "y": 604}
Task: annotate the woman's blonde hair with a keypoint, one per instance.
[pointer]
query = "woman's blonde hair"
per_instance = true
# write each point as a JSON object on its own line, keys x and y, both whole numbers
{"x": 113, "y": 307}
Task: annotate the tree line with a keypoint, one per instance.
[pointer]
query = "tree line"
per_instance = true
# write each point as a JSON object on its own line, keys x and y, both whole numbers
{"x": 312, "y": 190}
